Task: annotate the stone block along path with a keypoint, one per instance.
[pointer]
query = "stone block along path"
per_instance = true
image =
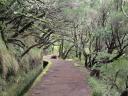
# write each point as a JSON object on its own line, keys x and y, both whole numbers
{"x": 63, "y": 79}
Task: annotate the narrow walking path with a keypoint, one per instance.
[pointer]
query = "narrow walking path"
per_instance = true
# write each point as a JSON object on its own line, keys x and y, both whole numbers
{"x": 63, "y": 79}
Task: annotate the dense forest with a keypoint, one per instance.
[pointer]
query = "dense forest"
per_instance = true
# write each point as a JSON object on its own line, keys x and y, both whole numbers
{"x": 93, "y": 32}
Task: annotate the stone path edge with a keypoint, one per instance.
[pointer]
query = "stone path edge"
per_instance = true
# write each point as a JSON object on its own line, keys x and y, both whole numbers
{"x": 42, "y": 74}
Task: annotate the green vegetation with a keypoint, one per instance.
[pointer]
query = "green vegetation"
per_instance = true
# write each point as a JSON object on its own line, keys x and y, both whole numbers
{"x": 21, "y": 42}
{"x": 99, "y": 40}
{"x": 113, "y": 79}
{"x": 24, "y": 81}
{"x": 94, "y": 32}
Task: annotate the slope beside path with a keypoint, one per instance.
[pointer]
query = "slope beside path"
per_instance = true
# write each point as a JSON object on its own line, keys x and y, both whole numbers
{"x": 63, "y": 79}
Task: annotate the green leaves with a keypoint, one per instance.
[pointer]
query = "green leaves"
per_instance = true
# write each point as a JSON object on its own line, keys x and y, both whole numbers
{"x": 3, "y": 2}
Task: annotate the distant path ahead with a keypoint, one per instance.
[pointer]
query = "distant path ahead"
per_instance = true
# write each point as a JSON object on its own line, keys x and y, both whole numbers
{"x": 63, "y": 79}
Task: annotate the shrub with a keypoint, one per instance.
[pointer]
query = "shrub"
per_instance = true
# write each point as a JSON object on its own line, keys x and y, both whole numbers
{"x": 113, "y": 79}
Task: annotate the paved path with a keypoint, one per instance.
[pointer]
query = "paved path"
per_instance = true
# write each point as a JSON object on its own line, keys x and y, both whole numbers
{"x": 63, "y": 79}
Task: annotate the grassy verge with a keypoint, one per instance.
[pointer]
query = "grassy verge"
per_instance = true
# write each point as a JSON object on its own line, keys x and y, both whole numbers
{"x": 100, "y": 88}
{"x": 113, "y": 79}
{"x": 22, "y": 86}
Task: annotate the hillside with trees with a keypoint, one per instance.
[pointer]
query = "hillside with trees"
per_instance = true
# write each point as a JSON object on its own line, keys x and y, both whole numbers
{"x": 91, "y": 32}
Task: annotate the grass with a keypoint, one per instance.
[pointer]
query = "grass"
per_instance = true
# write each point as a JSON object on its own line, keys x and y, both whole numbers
{"x": 17, "y": 76}
{"x": 98, "y": 87}
{"x": 8, "y": 62}
{"x": 26, "y": 82}
{"x": 105, "y": 85}
{"x": 18, "y": 88}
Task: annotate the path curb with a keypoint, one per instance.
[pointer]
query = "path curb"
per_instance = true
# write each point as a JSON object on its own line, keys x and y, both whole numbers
{"x": 40, "y": 76}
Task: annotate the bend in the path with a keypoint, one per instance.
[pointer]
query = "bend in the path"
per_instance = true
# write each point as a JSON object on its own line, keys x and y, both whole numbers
{"x": 63, "y": 79}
